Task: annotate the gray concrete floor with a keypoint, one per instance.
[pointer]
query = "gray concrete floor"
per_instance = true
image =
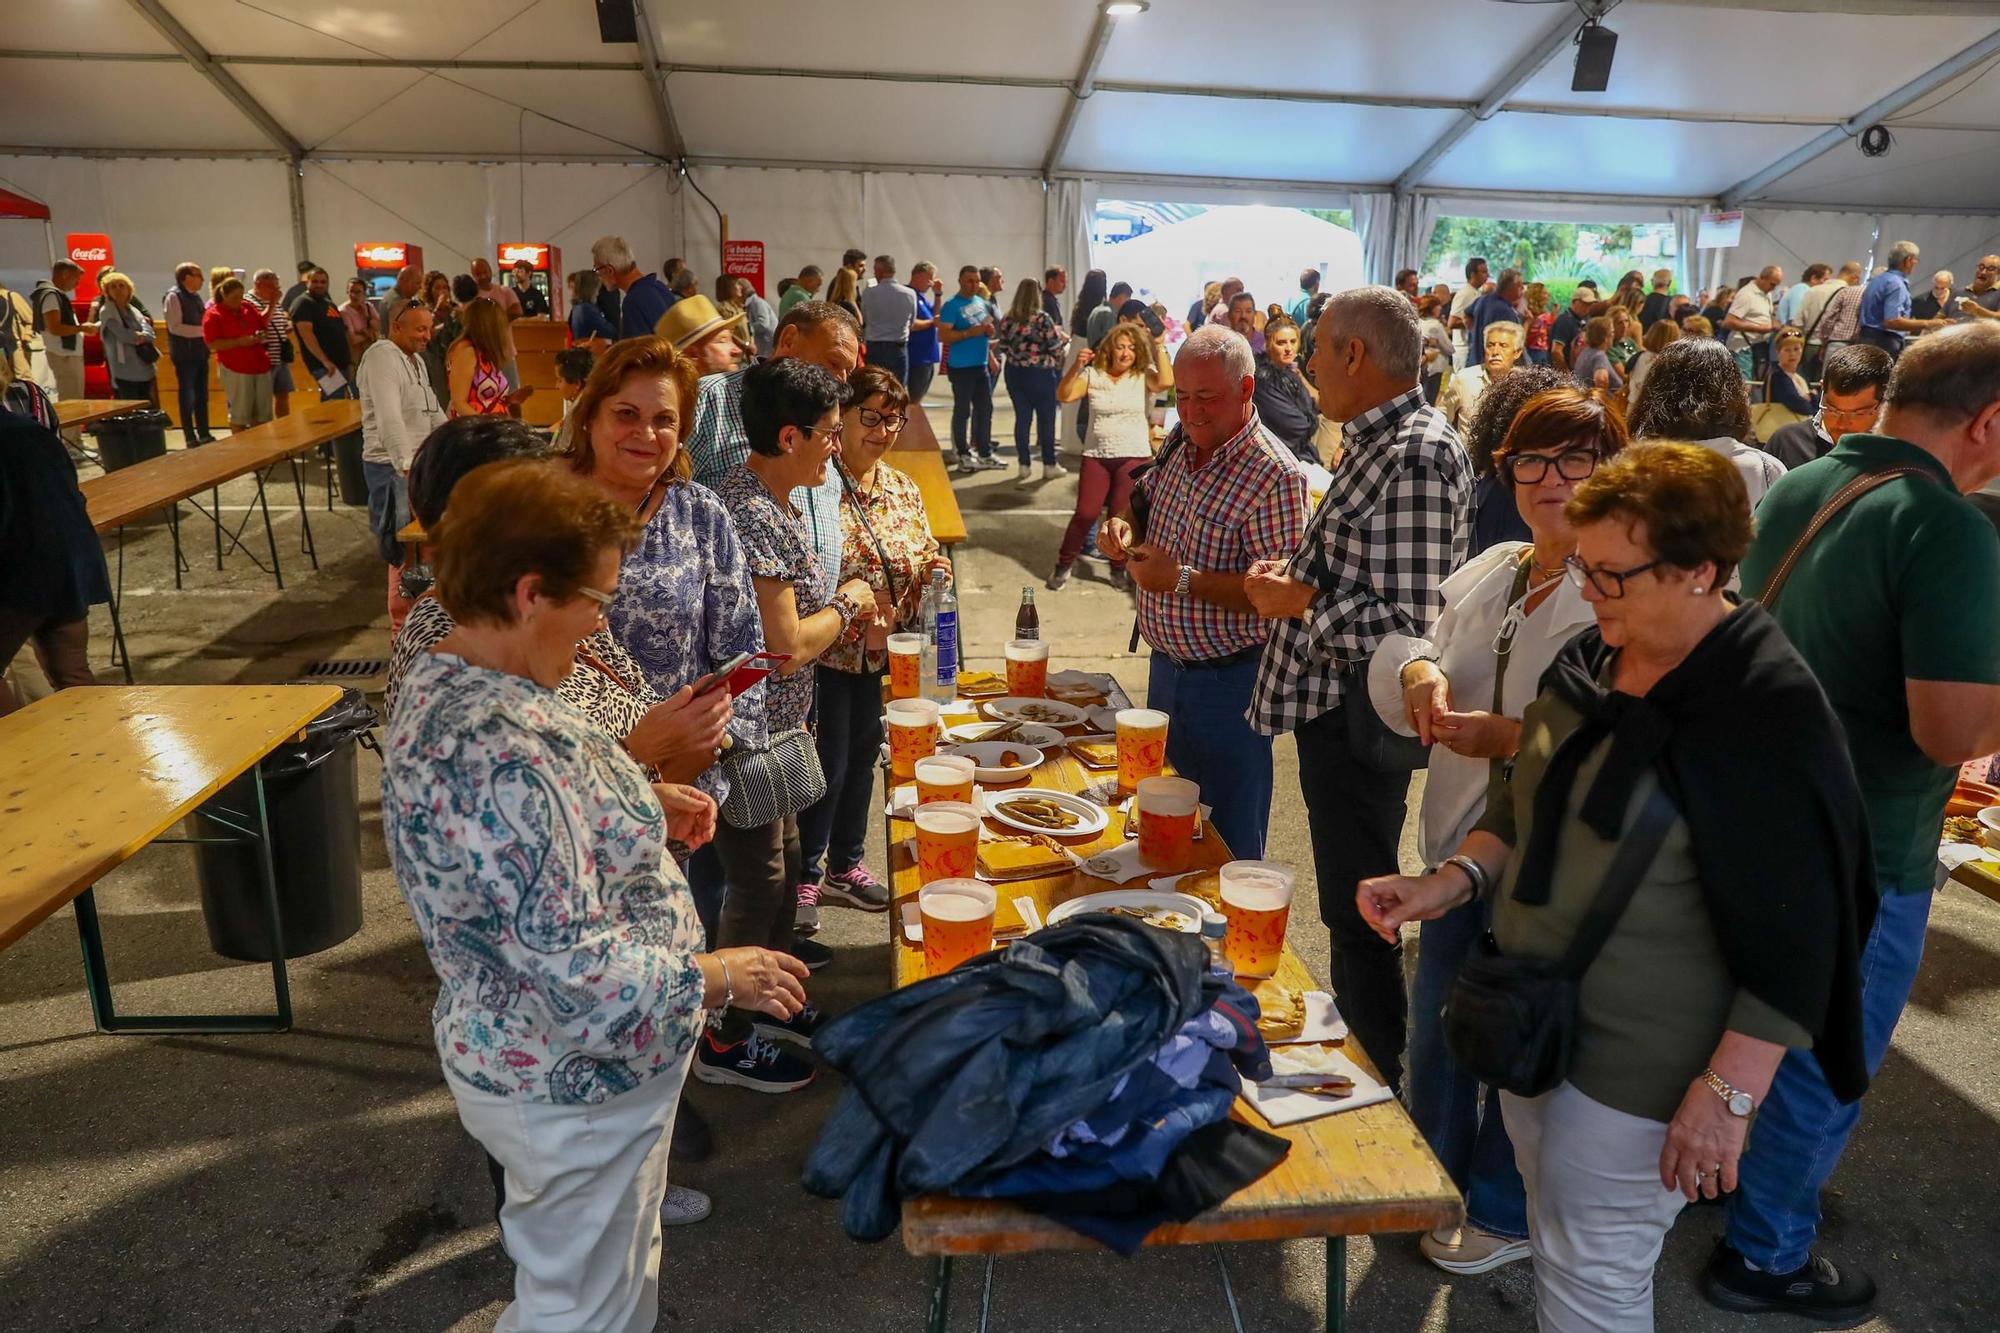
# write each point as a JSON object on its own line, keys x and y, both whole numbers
{"x": 318, "y": 1181}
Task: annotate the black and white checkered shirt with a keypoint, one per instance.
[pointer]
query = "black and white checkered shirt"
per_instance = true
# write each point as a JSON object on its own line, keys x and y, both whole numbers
{"x": 1395, "y": 522}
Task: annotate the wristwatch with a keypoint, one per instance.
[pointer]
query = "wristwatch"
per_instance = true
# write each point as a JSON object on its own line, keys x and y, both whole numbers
{"x": 1740, "y": 1103}
{"x": 1185, "y": 583}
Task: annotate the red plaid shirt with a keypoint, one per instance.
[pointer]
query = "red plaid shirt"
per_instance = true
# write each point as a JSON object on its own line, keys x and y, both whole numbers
{"x": 1246, "y": 503}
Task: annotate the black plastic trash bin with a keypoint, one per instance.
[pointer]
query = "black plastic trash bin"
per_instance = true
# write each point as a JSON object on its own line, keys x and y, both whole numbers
{"x": 347, "y": 461}
{"x": 130, "y": 437}
{"x": 315, "y": 821}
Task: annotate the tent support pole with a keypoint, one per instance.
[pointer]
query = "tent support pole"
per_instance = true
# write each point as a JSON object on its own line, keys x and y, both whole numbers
{"x": 295, "y": 186}
{"x": 1079, "y": 91}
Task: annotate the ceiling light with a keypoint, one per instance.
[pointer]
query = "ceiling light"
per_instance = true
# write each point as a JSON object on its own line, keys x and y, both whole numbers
{"x": 1119, "y": 9}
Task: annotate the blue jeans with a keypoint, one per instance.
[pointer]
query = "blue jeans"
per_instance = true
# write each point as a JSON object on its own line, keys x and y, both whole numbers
{"x": 1457, "y": 1116}
{"x": 1209, "y": 742}
{"x": 834, "y": 829}
{"x": 971, "y": 411}
{"x": 1033, "y": 391}
{"x": 192, "y": 392}
{"x": 919, "y": 382}
{"x": 388, "y": 508}
{"x": 1802, "y": 1128}
{"x": 893, "y": 357}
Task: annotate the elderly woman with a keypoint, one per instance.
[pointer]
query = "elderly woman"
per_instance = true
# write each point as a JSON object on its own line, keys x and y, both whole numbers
{"x": 532, "y": 852}
{"x": 1662, "y": 726}
{"x": 886, "y": 542}
{"x": 264, "y": 290}
{"x": 1460, "y": 399}
{"x": 1287, "y": 403}
{"x": 1116, "y": 379}
{"x": 1462, "y": 688}
{"x": 129, "y": 349}
{"x": 234, "y": 329}
{"x": 1694, "y": 391}
{"x": 686, "y": 607}
{"x": 1783, "y": 384}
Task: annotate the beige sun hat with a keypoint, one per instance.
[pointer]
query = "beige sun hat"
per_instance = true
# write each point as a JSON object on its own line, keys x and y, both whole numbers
{"x": 691, "y": 319}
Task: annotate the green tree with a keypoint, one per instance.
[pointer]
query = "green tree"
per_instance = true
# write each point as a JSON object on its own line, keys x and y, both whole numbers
{"x": 1339, "y": 217}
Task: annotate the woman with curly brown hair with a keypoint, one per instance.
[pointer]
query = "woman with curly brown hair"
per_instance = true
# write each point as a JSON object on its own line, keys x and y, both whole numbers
{"x": 1694, "y": 391}
{"x": 1117, "y": 377}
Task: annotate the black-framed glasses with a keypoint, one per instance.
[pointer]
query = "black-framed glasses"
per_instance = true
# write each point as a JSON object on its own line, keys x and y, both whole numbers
{"x": 1530, "y": 469}
{"x": 1610, "y": 583}
{"x": 870, "y": 419}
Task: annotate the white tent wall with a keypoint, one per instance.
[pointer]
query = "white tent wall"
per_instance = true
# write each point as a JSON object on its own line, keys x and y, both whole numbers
{"x": 1951, "y": 242}
{"x": 1793, "y": 238}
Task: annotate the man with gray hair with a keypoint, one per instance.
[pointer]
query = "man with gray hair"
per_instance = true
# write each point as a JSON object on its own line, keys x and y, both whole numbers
{"x": 644, "y": 296}
{"x": 1885, "y": 305}
{"x": 1220, "y": 497}
{"x": 1396, "y": 521}
{"x": 888, "y": 309}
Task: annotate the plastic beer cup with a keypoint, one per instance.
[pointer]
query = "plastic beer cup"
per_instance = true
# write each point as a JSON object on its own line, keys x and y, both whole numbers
{"x": 1142, "y": 746}
{"x": 906, "y": 653}
{"x": 1168, "y": 809}
{"x": 913, "y": 733}
{"x": 1257, "y": 900}
{"x": 1027, "y": 668}
{"x": 944, "y": 777}
{"x": 947, "y": 840}
{"x": 958, "y": 922}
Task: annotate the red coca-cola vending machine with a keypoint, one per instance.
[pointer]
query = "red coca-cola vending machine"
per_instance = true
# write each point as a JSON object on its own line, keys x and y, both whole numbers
{"x": 546, "y": 260}
{"x": 378, "y": 262}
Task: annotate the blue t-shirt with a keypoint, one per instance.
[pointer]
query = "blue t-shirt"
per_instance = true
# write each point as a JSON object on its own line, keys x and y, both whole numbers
{"x": 1887, "y": 297}
{"x": 586, "y": 321}
{"x": 924, "y": 342}
{"x": 966, "y": 312}
{"x": 645, "y": 301}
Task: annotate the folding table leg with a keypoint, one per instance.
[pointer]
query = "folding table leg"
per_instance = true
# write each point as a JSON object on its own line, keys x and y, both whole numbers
{"x": 1336, "y": 1284}
{"x": 215, "y": 512}
{"x": 305, "y": 514}
{"x": 174, "y": 528}
{"x": 986, "y": 1297}
{"x": 120, "y": 654}
{"x": 940, "y": 1315}
{"x": 1228, "y": 1292}
{"x": 270, "y": 537}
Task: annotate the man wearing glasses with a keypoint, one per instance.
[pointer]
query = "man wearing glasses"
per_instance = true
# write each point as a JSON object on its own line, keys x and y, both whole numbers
{"x": 645, "y": 298}
{"x": 1982, "y": 299}
{"x": 1850, "y": 396}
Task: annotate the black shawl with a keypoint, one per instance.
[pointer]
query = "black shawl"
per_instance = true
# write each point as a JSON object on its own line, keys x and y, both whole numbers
{"x": 1749, "y": 750}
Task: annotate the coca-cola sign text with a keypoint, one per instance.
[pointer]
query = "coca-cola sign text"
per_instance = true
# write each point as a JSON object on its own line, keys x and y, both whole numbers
{"x": 91, "y": 251}
{"x": 380, "y": 253}
{"x": 534, "y": 252}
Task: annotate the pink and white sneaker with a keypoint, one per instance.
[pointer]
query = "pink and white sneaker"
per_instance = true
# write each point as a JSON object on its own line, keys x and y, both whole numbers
{"x": 857, "y": 888}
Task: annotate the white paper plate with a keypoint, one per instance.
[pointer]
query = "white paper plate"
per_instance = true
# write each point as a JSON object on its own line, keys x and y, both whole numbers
{"x": 1040, "y": 737}
{"x": 1052, "y": 712}
{"x": 988, "y": 760}
{"x": 1092, "y": 818}
{"x": 1103, "y": 717}
{"x": 1149, "y": 899}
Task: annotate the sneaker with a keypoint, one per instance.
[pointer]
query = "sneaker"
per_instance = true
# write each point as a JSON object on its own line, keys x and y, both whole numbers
{"x": 1059, "y": 578}
{"x": 810, "y": 952}
{"x": 684, "y": 1207}
{"x": 1467, "y": 1249}
{"x": 989, "y": 463}
{"x": 857, "y": 888}
{"x": 1053, "y": 470}
{"x": 1026, "y": 475}
{"x": 752, "y": 1063}
{"x": 805, "y": 919}
{"x": 1091, "y": 553}
{"x": 1121, "y": 578}
{"x": 691, "y": 1141}
{"x": 1817, "y": 1288}
{"x": 967, "y": 464}
{"x": 799, "y": 1029}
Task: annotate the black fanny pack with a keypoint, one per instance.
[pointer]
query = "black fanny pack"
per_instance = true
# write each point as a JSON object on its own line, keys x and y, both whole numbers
{"x": 1510, "y": 1021}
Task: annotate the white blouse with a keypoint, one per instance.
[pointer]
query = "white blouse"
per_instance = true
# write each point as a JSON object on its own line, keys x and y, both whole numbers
{"x": 1476, "y": 602}
{"x": 1118, "y": 423}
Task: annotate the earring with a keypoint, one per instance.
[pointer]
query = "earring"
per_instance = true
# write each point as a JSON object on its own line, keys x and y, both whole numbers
{"x": 1698, "y": 590}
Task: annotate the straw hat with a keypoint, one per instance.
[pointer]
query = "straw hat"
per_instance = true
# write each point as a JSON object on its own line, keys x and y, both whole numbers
{"x": 691, "y": 319}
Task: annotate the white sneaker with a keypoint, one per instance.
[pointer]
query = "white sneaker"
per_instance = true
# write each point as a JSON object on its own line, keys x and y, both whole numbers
{"x": 1054, "y": 470}
{"x": 1028, "y": 475}
{"x": 684, "y": 1207}
{"x": 1467, "y": 1250}
{"x": 967, "y": 465}
{"x": 992, "y": 463}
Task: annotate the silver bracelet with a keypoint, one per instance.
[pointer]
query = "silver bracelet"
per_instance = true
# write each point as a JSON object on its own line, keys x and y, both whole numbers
{"x": 1475, "y": 873}
{"x": 728, "y": 986}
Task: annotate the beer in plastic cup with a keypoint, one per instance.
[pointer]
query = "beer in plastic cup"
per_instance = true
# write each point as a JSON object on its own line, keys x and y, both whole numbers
{"x": 947, "y": 840}
{"x": 1168, "y": 809}
{"x": 913, "y": 733}
{"x": 906, "y": 654}
{"x": 1027, "y": 668}
{"x": 1257, "y": 900}
{"x": 944, "y": 777}
{"x": 1142, "y": 746}
{"x": 958, "y": 922}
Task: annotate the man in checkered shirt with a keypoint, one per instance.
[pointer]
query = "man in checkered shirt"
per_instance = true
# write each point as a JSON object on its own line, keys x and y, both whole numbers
{"x": 1396, "y": 521}
{"x": 1222, "y": 496}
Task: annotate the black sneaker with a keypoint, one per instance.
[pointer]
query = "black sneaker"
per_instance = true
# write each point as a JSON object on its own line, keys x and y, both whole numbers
{"x": 752, "y": 1063}
{"x": 810, "y": 952}
{"x": 1816, "y": 1289}
{"x": 855, "y": 887}
{"x": 799, "y": 1029}
{"x": 691, "y": 1142}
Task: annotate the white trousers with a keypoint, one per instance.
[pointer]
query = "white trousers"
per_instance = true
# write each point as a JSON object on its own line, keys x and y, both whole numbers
{"x": 1597, "y": 1215}
{"x": 582, "y": 1217}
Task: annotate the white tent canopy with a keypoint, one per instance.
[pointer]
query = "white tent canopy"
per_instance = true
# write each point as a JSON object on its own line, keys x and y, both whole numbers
{"x": 953, "y": 130}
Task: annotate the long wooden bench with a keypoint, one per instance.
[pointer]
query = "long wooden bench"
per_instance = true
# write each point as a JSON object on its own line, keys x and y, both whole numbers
{"x": 917, "y": 454}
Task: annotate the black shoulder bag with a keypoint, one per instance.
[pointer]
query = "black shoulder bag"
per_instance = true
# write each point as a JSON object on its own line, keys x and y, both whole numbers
{"x": 1511, "y": 1021}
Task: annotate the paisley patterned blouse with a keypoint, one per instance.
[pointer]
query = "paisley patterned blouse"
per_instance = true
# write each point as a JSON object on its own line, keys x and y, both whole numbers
{"x": 895, "y": 509}
{"x": 777, "y": 544}
{"x": 532, "y": 854}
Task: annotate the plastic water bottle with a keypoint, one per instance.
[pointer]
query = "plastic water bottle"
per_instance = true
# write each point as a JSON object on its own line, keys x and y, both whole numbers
{"x": 940, "y": 640}
{"x": 1214, "y": 930}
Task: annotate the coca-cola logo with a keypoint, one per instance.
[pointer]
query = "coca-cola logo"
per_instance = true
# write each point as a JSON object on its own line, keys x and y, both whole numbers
{"x": 513, "y": 254}
{"x": 378, "y": 254}
{"x": 94, "y": 254}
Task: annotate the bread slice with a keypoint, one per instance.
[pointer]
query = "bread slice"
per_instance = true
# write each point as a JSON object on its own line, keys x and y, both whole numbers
{"x": 1028, "y": 857}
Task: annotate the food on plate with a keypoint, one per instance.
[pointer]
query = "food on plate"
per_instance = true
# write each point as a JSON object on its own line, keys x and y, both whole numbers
{"x": 1203, "y": 884}
{"x": 1040, "y": 812}
{"x": 1962, "y": 828}
{"x": 1164, "y": 918}
{"x": 1013, "y": 759}
{"x": 1083, "y": 696}
{"x": 1043, "y": 713}
{"x": 1028, "y": 857}
{"x": 974, "y": 684}
{"x": 1096, "y": 754}
{"x": 1282, "y": 1013}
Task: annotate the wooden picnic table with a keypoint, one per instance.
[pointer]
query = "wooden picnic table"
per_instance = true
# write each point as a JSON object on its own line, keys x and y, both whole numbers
{"x": 92, "y": 775}
{"x": 1359, "y": 1172}
{"x": 1982, "y": 877}
{"x": 917, "y": 454}
{"x": 83, "y": 411}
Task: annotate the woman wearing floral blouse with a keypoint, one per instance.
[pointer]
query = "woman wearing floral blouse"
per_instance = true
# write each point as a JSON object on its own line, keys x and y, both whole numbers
{"x": 882, "y": 516}
{"x": 532, "y": 852}
{"x": 1033, "y": 345}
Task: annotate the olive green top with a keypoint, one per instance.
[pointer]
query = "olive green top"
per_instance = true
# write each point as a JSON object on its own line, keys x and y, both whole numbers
{"x": 1659, "y": 996}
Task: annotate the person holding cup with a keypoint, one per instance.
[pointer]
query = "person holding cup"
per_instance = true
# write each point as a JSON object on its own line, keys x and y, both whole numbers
{"x": 886, "y": 542}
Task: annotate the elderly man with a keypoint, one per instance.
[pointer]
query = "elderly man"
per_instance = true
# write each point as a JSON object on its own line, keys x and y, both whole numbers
{"x": 1884, "y": 317}
{"x": 1982, "y": 299}
{"x": 1502, "y": 305}
{"x": 409, "y": 279}
{"x": 1877, "y": 609}
{"x": 398, "y": 410}
{"x": 1568, "y": 326}
{"x": 1396, "y": 521}
{"x": 804, "y": 288}
{"x": 1659, "y": 303}
{"x": 504, "y": 297}
{"x": 1502, "y": 344}
{"x": 1752, "y": 320}
{"x": 703, "y": 334}
{"x": 62, "y": 332}
{"x": 888, "y": 309}
{"x": 643, "y": 297}
{"x": 1222, "y": 497}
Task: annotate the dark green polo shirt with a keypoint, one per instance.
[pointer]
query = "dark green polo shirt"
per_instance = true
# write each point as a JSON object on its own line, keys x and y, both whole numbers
{"x": 1904, "y": 584}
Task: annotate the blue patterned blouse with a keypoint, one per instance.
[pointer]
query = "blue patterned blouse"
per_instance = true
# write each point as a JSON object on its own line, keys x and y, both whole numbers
{"x": 532, "y": 853}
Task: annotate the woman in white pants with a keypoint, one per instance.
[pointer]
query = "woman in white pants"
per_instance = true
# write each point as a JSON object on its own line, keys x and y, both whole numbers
{"x": 1739, "y": 937}
{"x": 533, "y": 854}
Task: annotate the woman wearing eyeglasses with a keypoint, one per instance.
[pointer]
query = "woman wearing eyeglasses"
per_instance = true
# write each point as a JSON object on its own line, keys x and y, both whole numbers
{"x": 886, "y": 542}
{"x": 1461, "y": 688}
{"x": 1739, "y": 937}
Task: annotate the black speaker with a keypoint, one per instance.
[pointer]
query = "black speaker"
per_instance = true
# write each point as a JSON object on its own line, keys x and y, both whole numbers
{"x": 1595, "y": 46}
{"x": 616, "y": 21}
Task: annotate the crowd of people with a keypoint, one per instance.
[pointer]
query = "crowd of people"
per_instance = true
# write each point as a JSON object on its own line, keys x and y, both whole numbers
{"x": 1548, "y": 572}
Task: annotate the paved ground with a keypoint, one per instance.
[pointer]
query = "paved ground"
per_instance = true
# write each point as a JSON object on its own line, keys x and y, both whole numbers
{"x": 318, "y": 1182}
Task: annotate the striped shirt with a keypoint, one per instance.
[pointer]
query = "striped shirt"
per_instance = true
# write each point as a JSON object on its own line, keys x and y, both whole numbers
{"x": 1396, "y": 521}
{"x": 1246, "y": 503}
